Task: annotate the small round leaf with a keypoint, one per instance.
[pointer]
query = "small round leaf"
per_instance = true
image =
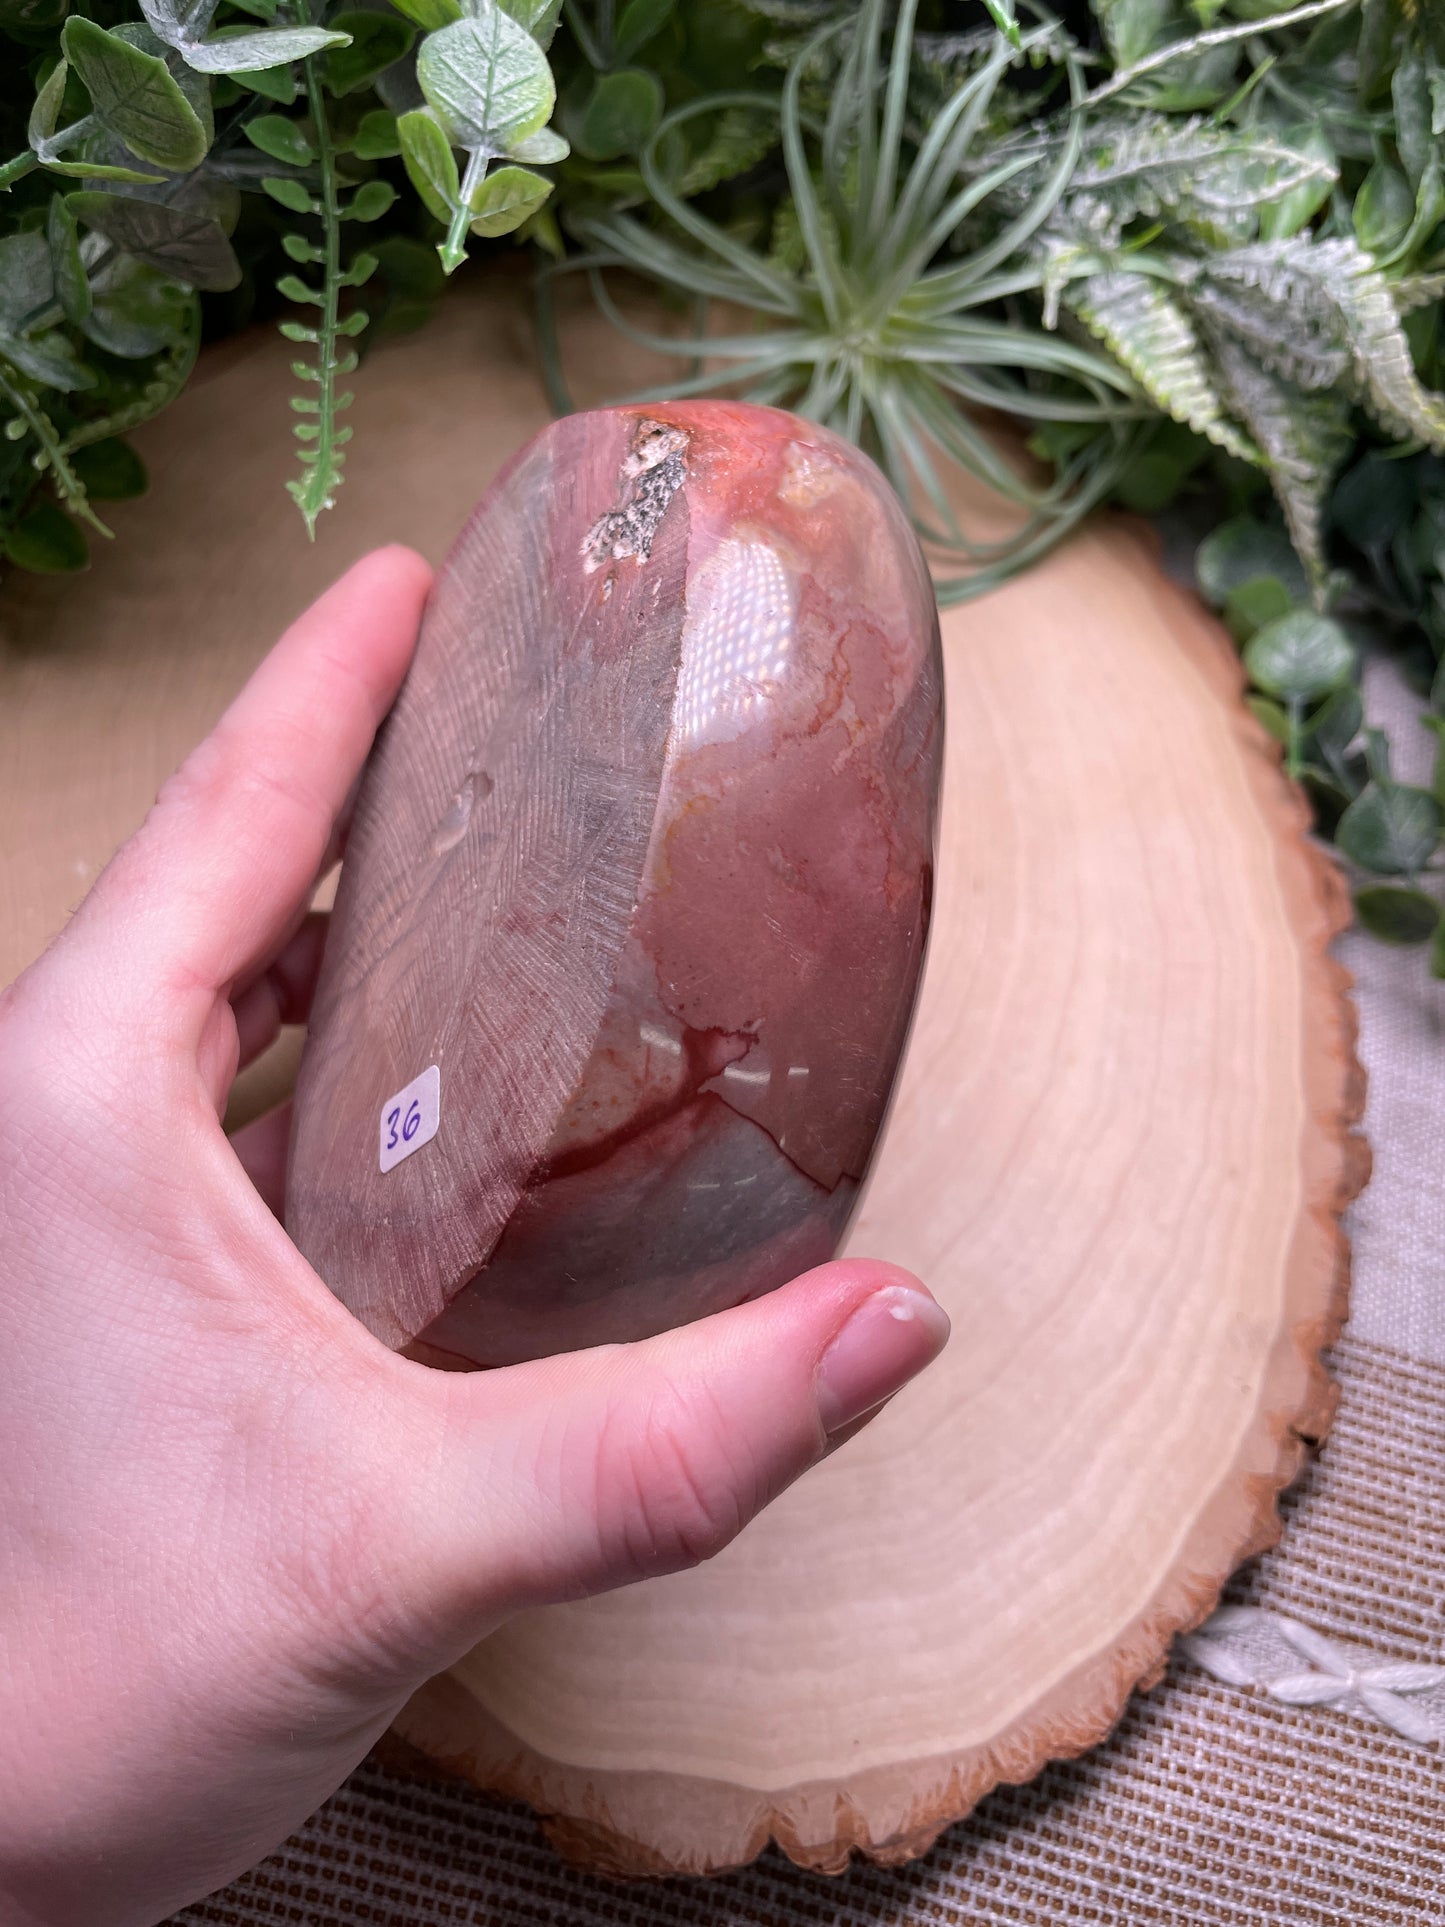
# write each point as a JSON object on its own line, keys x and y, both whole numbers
{"x": 1268, "y": 712}
{"x": 1254, "y": 603}
{"x": 504, "y": 200}
{"x": 272, "y": 83}
{"x": 376, "y": 41}
{"x": 135, "y": 97}
{"x": 283, "y": 139}
{"x": 376, "y": 139}
{"x": 289, "y": 193}
{"x": 621, "y": 114}
{"x": 638, "y": 22}
{"x": 1395, "y": 914}
{"x": 411, "y": 268}
{"x": 430, "y": 163}
{"x": 1299, "y": 657}
{"x": 429, "y": 14}
{"x": 540, "y": 18}
{"x": 1241, "y": 549}
{"x": 187, "y": 246}
{"x": 487, "y": 81}
{"x": 1391, "y": 828}
{"x": 1335, "y": 724}
{"x": 540, "y": 149}
{"x": 370, "y": 201}
{"x": 111, "y": 471}
{"x": 239, "y": 51}
{"x": 47, "y": 542}
{"x": 137, "y": 310}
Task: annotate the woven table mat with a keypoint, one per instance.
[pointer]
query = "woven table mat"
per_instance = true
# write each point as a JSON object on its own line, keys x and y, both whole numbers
{"x": 1211, "y": 1803}
{"x": 1208, "y": 1805}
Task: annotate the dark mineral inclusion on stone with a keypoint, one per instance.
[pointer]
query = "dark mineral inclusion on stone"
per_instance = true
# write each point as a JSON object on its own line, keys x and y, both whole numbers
{"x": 642, "y": 863}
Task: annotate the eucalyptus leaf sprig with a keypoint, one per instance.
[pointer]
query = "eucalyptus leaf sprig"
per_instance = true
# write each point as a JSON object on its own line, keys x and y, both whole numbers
{"x": 489, "y": 92}
{"x": 127, "y": 195}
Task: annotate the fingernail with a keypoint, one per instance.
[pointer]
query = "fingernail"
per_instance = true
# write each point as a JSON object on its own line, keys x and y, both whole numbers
{"x": 889, "y": 1338}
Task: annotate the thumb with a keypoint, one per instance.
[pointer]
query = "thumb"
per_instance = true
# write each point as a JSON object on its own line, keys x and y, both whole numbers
{"x": 575, "y": 1474}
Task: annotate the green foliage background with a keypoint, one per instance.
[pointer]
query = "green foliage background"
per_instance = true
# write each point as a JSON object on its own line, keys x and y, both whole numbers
{"x": 1196, "y": 246}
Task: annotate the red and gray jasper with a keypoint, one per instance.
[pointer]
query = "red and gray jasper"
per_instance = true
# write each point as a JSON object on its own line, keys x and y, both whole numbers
{"x": 642, "y": 862}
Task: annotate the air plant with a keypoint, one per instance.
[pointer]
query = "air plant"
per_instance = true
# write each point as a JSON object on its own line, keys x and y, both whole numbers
{"x": 888, "y": 297}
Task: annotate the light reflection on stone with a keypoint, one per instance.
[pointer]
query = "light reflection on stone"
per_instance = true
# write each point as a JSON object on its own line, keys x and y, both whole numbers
{"x": 734, "y": 641}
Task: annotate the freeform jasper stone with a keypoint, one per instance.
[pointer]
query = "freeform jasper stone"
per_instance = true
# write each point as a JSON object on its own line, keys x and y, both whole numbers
{"x": 641, "y": 864}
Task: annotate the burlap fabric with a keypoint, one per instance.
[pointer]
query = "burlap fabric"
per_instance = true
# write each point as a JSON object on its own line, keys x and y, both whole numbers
{"x": 1211, "y": 1803}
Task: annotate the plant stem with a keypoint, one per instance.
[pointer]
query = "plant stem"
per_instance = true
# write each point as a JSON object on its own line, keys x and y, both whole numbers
{"x": 17, "y": 169}
{"x": 592, "y": 53}
{"x": 52, "y": 145}
{"x": 1202, "y": 43}
{"x": 454, "y": 248}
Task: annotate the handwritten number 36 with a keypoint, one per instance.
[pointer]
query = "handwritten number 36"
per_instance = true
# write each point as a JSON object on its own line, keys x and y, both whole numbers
{"x": 409, "y": 1126}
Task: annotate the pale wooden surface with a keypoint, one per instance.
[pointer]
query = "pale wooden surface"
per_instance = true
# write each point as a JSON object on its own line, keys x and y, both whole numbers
{"x": 1116, "y": 1157}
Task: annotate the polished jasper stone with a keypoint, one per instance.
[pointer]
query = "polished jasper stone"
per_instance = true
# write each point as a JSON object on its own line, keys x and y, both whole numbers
{"x": 642, "y": 864}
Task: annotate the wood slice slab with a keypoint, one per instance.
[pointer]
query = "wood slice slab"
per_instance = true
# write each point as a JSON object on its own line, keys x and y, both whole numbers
{"x": 1119, "y": 1153}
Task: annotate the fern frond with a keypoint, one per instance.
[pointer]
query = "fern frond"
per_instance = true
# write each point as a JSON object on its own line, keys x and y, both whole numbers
{"x": 50, "y": 456}
{"x": 1303, "y": 437}
{"x": 1123, "y": 22}
{"x": 739, "y": 141}
{"x": 1154, "y": 165}
{"x": 951, "y": 58}
{"x": 1302, "y": 344}
{"x": 1412, "y": 291}
{"x": 1310, "y": 306}
{"x": 322, "y": 441}
{"x": 1147, "y": 328}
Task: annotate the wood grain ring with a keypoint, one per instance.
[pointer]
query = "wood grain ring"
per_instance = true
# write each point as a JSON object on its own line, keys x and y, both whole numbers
{"x": 1132, "y": 1024}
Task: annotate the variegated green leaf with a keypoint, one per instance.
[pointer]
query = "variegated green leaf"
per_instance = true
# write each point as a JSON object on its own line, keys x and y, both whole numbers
{"x": 487, "y": 81}
{"x": 177, "y": 21}
{"x": 185, "y": 244}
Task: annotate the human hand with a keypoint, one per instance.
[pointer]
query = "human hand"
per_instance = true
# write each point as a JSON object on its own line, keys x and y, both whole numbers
{"x": 235, "y": 1531}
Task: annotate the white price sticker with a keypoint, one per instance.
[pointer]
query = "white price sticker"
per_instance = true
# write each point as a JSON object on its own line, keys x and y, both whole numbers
{"x": 410, "y": 1118}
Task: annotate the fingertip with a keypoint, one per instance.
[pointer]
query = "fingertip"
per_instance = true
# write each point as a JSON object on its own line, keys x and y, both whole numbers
{"x": 384, "y": 590}
{"x": 832, "y": 1292}
{"x": 601, "y": 1467}
{"x": 888, "y": 1338}
{"x": 397, "y": 564}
